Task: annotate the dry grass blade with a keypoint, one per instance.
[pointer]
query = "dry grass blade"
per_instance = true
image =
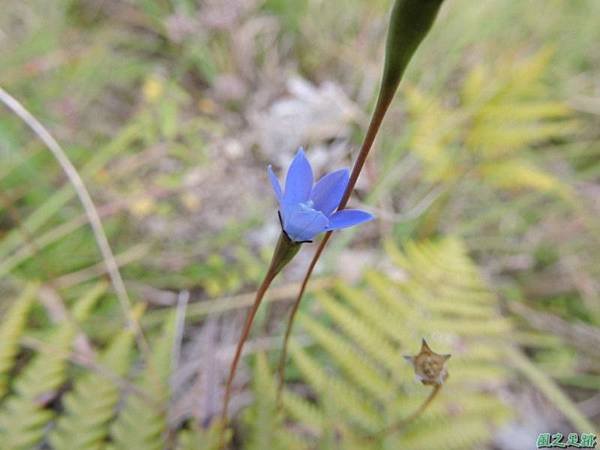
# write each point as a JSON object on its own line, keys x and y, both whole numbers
{"x": 550, "y": 390}
{"x": 90, "y": 210}
{"x": 182, "y": 302}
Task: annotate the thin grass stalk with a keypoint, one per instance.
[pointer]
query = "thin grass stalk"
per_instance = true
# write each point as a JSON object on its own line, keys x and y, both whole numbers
{"x": 90, "y": 210}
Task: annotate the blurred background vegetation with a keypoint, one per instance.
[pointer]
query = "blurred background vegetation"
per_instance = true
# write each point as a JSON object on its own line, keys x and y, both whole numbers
{"x": 485, "y": 182}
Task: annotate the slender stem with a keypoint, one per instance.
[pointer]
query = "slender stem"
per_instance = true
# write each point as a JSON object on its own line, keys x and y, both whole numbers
{"x": 403, "y": 423}
{"x": 294, "y": 310}
{"x": 284, "y": 252}
{"x": 432, "y": 395}
{"x": 381, "y": 108}
{"x": 269, "y": 277}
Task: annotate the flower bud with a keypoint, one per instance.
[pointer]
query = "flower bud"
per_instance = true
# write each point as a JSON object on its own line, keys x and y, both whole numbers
{"x": 409, "y": 23}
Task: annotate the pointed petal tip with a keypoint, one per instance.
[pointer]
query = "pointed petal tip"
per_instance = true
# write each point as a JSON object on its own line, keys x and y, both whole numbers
{"x": 275, "y": 183}
{"x": 343, "y": 170}
{"x": 348, "y": 218}
{"x": 300, "y": 153}
{"x": 344, "y": 175}
{"x": 298, "y": 181}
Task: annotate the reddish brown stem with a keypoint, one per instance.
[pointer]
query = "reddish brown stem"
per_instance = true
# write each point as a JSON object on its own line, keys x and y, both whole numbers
{"x": 401, "y": 425}
{"x": 269, "y": 277}
{"x": 284, "y": 252}
{"x": 378, "y": 114}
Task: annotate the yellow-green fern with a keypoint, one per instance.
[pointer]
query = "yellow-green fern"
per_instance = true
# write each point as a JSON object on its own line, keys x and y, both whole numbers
{"x": 198, "y": 439}
{"x": 142, "y": 422}
{"x": 11, "y": 329}
{"x": 91, "y": 404}
{"x": 356, "y": 370}
{"x": 485, "y": 135}
{"x": 263, "y": 423}
{"x": 23, "y": 416}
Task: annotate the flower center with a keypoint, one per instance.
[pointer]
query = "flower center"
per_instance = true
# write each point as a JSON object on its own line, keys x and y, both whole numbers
{"x": 308, "y": 205}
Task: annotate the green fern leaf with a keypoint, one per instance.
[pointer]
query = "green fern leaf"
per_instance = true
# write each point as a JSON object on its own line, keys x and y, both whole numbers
{"x": 11, "y": 329}
{"x": 356, "y": 370}
{"x": 355, "y": 407}
{"x": 92, "y": 403}
{"x": 197, "y": 439}
{"x": 142, "y": 422}
{"x": 367, "y": 337}
{"x": 265, "y": 428}
{"x": 500, "y": 116}
{"x": 304, "y": 412}
{"x": 23, "y": 416}
{"x": 362, "y": 374}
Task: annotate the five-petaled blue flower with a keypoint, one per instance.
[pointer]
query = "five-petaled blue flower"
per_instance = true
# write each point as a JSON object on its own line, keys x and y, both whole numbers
{"x": 306, "y": 210}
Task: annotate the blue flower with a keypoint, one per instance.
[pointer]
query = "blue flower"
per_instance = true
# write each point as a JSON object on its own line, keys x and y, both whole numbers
{"x": 306, "y": 210}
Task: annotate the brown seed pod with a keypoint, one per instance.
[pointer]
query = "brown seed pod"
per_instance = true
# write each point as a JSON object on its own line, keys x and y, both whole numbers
{"x": 429, "y": 366}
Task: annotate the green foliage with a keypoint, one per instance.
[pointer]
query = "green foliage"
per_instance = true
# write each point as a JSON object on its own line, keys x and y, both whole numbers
{"x": 102, "y": 409}
{"x": 23, "y": 414}
{"x": 133, "y": 90}
{"x": 359, "y": 384}
{"x": 264, "y": 423}
{"x": 356, "y": 370}
{"x": 11, "y": 329}
{"x": 487, "y": 132}
{"x": 91, "y": 404}
{"x": 551, "y": 391}
{"x": 142, "y": 422}
{"x": 199, "y": 439}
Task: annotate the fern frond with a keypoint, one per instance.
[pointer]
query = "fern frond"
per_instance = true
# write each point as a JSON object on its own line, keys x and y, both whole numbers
{"x": 527, "y": 111}
{"x": 304, "y": 412}
{"x": 501, "y": 137}
{"x": 362, "y": 374}
{"x": 23, "y": 417}
{"x": 459, "y": 433}
{"x": 263, "y": 421}
{"x": 369, "y": 338}
{"x": 499, "y": 117}
{"x": 92, "y": 403}
{"x": 142, "y": 422}
{"x": 11, "y": 330}
{"x": 263, "y": 416}
{"x": 351, "y": 403}
{"x": 377, "y": 314}
{"x": 356, "y": 368}
{"x": 520, "y": 174}
{"x": 198, "y": 439}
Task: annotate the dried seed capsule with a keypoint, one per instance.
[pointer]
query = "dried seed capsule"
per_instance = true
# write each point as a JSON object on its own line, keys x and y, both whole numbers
{"x": 429, "y": 366}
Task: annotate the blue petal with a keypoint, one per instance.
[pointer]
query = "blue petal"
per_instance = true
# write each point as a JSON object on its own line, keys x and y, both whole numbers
{"x": 348, "y": 218}
{"x": 303, "y": 223}
{"x": 275, "y": 184}
{"x": 299, "y": 181}
{"x": 328, "y": 191}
